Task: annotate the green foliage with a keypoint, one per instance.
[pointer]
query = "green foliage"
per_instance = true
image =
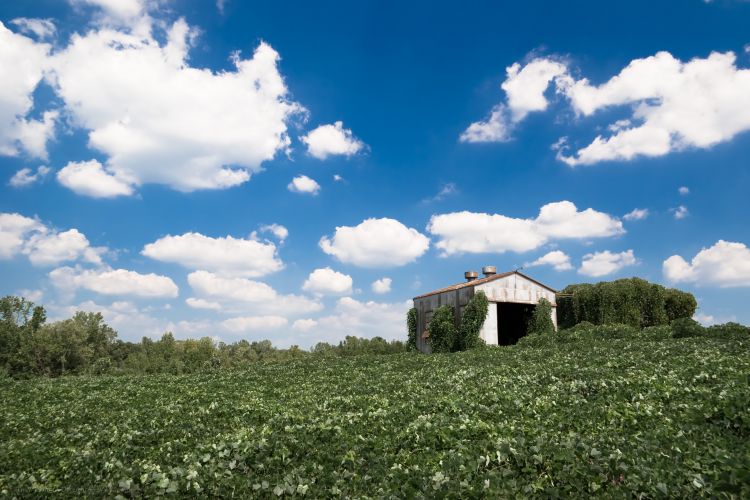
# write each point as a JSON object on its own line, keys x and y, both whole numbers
{"x": 728, "y": 330}
{"x": 633, "y": 301}
{"x": 472, "y": 320}
{"x": 443, "y": 330}
{"x": 686, "y": 327}
{"x": 411, "y": 328}
{"x": 602, "y": 417}
{"x": 679, "y": 304}
{"x": 541, "y": 320}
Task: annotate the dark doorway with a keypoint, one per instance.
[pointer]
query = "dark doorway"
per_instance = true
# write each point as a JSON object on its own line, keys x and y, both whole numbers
{"x": 512, "y": 321}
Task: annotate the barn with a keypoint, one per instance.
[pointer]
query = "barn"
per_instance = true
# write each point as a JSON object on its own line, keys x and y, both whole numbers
{"x": 512, "y": 297}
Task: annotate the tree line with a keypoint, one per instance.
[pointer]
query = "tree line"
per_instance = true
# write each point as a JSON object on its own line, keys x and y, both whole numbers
{"x": 85, "y": 344}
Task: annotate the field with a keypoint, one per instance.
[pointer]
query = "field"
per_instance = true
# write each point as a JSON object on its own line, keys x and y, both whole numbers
{"x": 615, "y": 418}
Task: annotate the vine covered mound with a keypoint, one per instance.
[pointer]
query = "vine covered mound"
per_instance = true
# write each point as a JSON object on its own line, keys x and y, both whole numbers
{"x": 614, "y": 417}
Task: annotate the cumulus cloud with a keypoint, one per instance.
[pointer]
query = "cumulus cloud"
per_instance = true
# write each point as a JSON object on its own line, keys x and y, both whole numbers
{"x": 158, "y": 119}
{"x": 280, "y": 232}
{"x": 224, "y": 255}
{"x": 524, "y": 89}
{"x": 26, "y": 176}
{"x": 20, "y": 235}
{"x": 131, "y": 322}
{"x": 470, "y": 232}
{"x": 23, "y": 63}
{"x": 376, "y": 243}
{"x": 202, "y": 304}
{"x": 327, "y": 281}
{"x": 381, "y": 286}
{"x": 725, "y": 264}
{"x": 90, "y": 178}
{"x": 558, "y": 259}
{"x": 636, "y": 214}
{"x": 330, "y": 140}
{"x": 303, "y": 184}
{"x": 113, "y": 282}
{"x": 603, "y": 263}
{"x": 674, "y": 105}
{"x": 684, "y": 190}
{"x": 304, "y": 325}
{"x": 235, "y": 295}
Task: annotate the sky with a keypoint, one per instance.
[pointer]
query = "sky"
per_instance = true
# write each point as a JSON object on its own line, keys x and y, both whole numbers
{"x": 298, "y": 172}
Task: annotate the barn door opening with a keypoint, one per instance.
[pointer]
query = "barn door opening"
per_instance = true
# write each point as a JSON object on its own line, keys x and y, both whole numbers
{"x": 512, "y": 321}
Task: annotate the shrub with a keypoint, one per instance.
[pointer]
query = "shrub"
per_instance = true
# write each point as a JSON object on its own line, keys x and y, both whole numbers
{"x": 541, "y": 320}
{"x": 442, "y": 330}
{"x": 411, "y": 328}
{"x": 633, "y": 302}
{"x": 679, "y": 304}
{"x": 472, "y": 320}
{"x": 686, "y": 327}
{"x": 729, "y": 330}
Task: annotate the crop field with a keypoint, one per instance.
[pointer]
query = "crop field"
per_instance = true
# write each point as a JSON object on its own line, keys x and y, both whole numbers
{"x": 615, "y": 418}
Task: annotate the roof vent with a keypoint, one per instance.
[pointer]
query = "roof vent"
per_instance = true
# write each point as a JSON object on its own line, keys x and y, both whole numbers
{"x": 489, "y": 271}
{"x": 470, "y": 275}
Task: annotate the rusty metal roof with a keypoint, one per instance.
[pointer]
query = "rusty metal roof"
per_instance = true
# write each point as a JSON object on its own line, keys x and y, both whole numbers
{"x": 479, "y": 281}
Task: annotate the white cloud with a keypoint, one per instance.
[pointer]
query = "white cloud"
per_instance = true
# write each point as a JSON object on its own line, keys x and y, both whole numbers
{"x": 710, "y": 319}
{"x": 362, "y": 319}
{"x": 226, "y": 255}
{"x": 327, "y": 281}
{"x": 330, "y": 140}
{"x": 524, "y": 89}
{"x": 280, "y": 232}
{"x": 470, "y": 232}
{"x": 240, "y": 289}
{"x": 253, "y": 323}
{"x": 131, "y": 14}
{"x": 337, "y": 178}
{"x": 114, "y": 282}
{"x": 496, "y": 128}
{"x": 248, "y": 296}
{"x": 603, "y": 263}
{"x": 160, "y": 120}
{"x": 304, "y": 184}
{"x": 23, "y": 63}
{"x": 41, "y": 28}
{"x": 50, "y": 248}
{"x": 680, "y": 212}
{"x": 675, "y": 105}
{"x": 381, "y": 286}
{"x": 90, "y": 178}
{"x": 202, "y": 304}
{"x": 725, "y": 264}
{"x": 43, "y": 246}
{"x": 130, "y": 322}
{"x": 32, "y": 295}
{"x": 26, "y": 176}
{"x": 684, "y": 190}
{"x": 376, "y": 243}
{"x": 304, "y": 325}
{"x": 558, "y": 259}
{"x": 636, "y": 214}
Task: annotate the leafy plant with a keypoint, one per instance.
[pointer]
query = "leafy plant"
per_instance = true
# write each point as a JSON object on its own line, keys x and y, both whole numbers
{"x": 411, "y": 328}
{"x": 442, "y": 329}
{"x": 472, "y": 320}
{"x": 541, "y": 319}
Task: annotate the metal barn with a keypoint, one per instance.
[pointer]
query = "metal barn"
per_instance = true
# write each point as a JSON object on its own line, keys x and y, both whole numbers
{"x": 512, "y": 297}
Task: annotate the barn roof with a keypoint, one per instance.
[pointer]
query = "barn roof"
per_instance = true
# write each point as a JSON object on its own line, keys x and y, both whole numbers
{"x": 466, "y": 284}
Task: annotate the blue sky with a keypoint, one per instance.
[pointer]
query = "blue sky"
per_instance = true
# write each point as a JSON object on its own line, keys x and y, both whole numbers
{"x": 166, "y": 144}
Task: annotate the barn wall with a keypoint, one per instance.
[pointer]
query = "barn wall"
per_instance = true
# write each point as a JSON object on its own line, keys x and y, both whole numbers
{"x": 426, "y": 306}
